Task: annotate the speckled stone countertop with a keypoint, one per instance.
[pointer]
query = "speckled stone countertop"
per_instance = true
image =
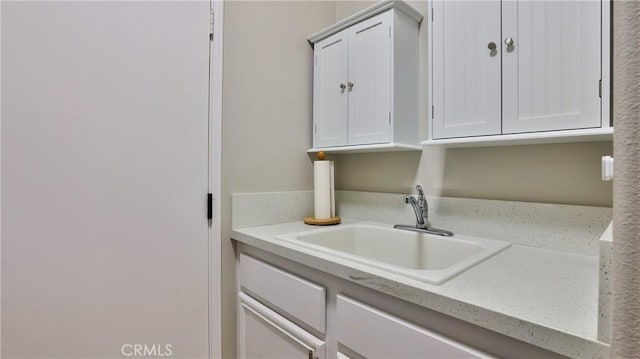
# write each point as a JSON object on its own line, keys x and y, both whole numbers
{"x": 544, "y": 297}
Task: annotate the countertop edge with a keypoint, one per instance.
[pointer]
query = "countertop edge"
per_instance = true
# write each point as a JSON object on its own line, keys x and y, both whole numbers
{"x": 539, "y": 335}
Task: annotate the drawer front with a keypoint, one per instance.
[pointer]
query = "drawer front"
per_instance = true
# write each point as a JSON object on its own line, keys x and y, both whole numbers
{"x": 262, "y": 333}
{"x": 300, "y": 298}
{"x": 376, "y": 334}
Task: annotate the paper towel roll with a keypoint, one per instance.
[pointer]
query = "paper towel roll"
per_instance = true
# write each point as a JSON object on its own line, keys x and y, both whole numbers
{"x": 332, "y": 189}
{"x": 322, "y": 189}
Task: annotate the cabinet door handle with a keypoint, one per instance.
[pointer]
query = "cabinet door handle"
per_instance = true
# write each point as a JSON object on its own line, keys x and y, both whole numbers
{"x": 343, "y": 86}
{"x": 350, "y": 85}
{"x": 492, "y": 46}
{"x": 508, "y": 41}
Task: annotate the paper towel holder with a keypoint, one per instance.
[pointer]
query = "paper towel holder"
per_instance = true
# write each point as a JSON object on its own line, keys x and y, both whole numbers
{"x": 327, "y": 214}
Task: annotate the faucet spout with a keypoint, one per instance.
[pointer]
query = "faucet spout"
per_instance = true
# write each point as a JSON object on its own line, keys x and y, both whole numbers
{"x": 417, "y": 209}
{"x": 421, "y": 210}
{"x": 423, "y": 206}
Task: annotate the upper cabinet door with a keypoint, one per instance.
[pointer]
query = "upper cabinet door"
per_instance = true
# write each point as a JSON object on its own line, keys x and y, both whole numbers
{"x": 330, "y": 91}
{"x": 551, "y": 70}
{"x": 466, "y": 70}
{"x": 369, "y": 86}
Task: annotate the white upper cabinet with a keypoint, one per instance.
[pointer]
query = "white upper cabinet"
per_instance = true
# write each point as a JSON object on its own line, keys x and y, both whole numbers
{"x": 467, "y": 72}
{"x": 330, "y": 88}
{"x": 366, "y": 81}
{"x": 552, "y": 69}
{"x": 519, "y": 70}
{"x": 369, "y": 85}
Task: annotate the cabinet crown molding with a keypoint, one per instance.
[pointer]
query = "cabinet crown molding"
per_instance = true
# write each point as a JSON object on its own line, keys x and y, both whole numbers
{"x": 373, "y": 10}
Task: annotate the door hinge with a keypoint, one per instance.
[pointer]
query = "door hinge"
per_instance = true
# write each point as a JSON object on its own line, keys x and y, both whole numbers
{"x": 209, "y": 205}
{"x": 600, "y": 88}
{"x": 211, "y": 21}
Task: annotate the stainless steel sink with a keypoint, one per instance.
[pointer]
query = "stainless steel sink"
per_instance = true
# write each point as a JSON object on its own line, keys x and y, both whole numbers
{"x": 425, "y": 257}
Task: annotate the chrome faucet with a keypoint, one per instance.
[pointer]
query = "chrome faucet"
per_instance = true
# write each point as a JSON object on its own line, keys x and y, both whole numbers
{"x": 421, "y": 209}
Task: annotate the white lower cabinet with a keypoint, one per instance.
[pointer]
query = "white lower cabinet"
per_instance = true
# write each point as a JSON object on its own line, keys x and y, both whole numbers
{"x": 300, "y": 298}
{"x": 372, "y": 333}
{"x": 265, "y": 334}
{"x": 288, "y": 310}
{"x": 266, "y": 295}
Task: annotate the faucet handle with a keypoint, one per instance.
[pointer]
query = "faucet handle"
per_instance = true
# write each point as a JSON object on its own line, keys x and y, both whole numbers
{"x": 419, "y": 189}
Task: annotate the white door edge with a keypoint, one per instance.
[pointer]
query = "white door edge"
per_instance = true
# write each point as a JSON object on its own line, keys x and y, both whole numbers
{"x": 215, "y": 181}
{"x": 0, "y": 179}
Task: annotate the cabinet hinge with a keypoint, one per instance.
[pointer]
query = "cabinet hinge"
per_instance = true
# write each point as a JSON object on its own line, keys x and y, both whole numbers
{"x": 211, "y": 21}
{"x": 316, "y": 60}
{"x": 432, "y": 14}
{"x": 315, "y": 128}
{"x": 389, "y": 117}
{"x": 432, "y": 111}
{"x": 209, "y": 205}
{"x": 600, "y": 88}
{"x": 389, "y": 31}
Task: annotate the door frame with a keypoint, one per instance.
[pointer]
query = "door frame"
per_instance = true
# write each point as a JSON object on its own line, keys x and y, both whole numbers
{"x": 215, "y": 180}
{"x": 0, "y": 179}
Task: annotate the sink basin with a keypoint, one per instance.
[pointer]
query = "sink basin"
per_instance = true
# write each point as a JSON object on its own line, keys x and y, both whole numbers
{"x": 425, "y": 257}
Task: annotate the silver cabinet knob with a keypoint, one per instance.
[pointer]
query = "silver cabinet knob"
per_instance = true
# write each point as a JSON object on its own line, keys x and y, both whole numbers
{"x": 508, "y": 41}
{"x": 343, "y": 86}
{"x": 350, "y": 85}
{"x": 492, "y": 46}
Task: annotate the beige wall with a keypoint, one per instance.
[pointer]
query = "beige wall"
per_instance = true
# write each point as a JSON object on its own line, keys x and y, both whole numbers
{"x": 267, "y": 112}
{"x": 625, "y": 336}
{"x": 558, "y": 173}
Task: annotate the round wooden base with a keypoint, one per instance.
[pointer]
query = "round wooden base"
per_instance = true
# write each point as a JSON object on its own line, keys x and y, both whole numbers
{"x": 322, "y": 222}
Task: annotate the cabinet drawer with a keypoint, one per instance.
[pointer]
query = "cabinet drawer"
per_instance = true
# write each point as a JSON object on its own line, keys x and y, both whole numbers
{"x": 387, "y": 336}
{"x": 262, "y": 333}
{"x": 296, "y": 296}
